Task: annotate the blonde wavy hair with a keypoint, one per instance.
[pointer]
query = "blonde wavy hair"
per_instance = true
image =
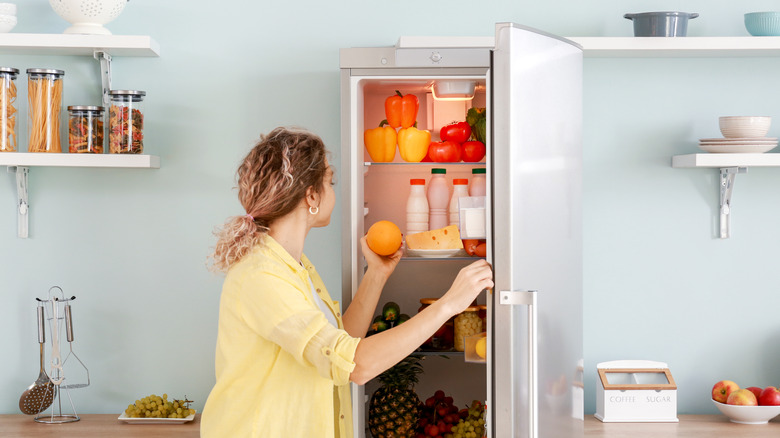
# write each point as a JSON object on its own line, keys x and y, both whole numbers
{"x": 272, "y": 180}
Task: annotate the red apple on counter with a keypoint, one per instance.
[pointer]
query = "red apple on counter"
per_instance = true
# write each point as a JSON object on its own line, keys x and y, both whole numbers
{"x": 722, "y": 389}
{"x": 742, "y": 397}
{"x": 770, "y": 396}
{"x": 755, "y": 390}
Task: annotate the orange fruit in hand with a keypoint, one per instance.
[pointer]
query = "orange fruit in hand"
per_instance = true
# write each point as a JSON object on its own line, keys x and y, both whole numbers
{"x": 384, "y": 238}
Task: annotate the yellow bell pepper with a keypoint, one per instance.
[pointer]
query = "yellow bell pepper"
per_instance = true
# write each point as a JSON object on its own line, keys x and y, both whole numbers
{"x": 413, "y": 143}
{"x": 380, "y": 143}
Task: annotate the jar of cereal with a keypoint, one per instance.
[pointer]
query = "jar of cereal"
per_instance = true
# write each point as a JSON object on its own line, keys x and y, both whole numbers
{"x": 467, "y": 323}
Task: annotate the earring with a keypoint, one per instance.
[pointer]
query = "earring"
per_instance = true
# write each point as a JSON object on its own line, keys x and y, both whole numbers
{"x": 314, "y": 210}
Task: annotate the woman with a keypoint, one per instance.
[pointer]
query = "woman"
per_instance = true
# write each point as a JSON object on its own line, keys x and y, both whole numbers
{"x": 285, "y": 354}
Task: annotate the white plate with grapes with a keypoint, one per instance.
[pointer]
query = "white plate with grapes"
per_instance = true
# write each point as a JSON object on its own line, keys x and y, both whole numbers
{"x": 152, "y": 420}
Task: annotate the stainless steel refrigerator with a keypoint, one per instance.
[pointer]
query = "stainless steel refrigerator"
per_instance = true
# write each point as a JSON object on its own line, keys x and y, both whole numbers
{"x": 530, "y": 83}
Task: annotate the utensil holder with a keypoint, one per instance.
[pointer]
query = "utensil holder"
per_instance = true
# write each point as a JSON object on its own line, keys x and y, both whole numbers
{"x": 59, "y": 314}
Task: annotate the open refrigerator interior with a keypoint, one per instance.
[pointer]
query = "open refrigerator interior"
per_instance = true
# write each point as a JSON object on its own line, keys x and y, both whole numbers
{"x": 379, "y": 192}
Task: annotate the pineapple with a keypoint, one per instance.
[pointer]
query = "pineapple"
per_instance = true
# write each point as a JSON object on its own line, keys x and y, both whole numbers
{"x": 394, "y": 407}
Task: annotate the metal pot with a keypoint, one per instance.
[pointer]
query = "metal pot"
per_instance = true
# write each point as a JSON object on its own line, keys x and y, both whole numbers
{"x": 661, "y": 24}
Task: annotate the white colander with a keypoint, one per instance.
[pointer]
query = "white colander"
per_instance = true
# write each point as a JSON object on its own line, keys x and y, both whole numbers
{"x": 88, "y": 16}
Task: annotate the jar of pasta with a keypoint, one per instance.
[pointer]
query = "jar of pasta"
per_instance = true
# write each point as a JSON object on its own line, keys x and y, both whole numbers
{"x": 44, "y": 97}
{"x": 444, "y": 336}
{"x": 467, "y": 323}
{"x": 126, "y": 122}
{"x": 8, "y": 132}
{"x": 85, "y": 129}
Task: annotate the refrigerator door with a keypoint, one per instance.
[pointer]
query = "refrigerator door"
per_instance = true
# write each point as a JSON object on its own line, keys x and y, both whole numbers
{"x": 536, "y": 163}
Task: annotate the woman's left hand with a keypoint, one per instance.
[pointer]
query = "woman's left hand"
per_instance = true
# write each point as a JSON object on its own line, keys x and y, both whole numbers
{"x": 384, "y": 265}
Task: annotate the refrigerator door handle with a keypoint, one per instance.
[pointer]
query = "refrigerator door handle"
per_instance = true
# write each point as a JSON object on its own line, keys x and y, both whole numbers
{"x": 527, "y": 298}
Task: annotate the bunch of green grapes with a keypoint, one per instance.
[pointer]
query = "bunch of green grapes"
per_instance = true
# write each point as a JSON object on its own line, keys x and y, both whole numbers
{"x": 472, "y": 426}
{"x": 155, "y": 406}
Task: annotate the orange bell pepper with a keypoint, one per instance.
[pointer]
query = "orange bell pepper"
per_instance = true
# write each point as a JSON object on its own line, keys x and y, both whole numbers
{"x": 380, "y": 143}
{"x": 401, "y": 110}
{"x": 413, "y": 143}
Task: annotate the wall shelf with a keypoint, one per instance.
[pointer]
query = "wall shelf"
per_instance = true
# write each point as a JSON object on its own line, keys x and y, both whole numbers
{"x": 688, "y": 47}
{"x": 27, "y": 159}
{"x": 100, "y": 47}
{"x": 730, "y": 165}
{"x": 78, "y": 45}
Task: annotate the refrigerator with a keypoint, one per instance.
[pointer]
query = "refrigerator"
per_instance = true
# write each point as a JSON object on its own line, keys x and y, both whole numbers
{"x": 530, "y": 84}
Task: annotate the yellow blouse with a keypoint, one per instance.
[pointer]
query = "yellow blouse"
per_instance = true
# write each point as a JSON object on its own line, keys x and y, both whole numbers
{"x": 282, "y": 370}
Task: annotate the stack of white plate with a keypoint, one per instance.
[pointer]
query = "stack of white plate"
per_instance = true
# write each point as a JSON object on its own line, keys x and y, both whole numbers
{"x": 739, "y": 145}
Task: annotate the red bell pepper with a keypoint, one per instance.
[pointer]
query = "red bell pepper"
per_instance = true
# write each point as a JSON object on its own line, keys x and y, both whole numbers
{"x": 458, "y": 132}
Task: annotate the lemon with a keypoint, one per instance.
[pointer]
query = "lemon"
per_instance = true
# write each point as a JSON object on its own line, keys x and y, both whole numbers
{"x": 481, "y": 347}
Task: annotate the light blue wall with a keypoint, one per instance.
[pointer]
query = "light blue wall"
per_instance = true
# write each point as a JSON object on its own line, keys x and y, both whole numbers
{"x": 131, "y": 245}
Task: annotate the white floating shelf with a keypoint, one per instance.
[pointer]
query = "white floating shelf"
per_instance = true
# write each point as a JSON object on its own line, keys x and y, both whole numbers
{"x": 726, "y": 160}
{"x": 80, "y": 45}
{"x": 688, "y": 47}
{"x": 29, "y": 159}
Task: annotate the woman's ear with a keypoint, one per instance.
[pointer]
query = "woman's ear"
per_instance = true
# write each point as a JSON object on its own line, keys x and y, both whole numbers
{"x": 312, "y": 197}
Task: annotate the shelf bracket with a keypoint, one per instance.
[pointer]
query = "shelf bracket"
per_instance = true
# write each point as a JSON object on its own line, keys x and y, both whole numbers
{"x": 727, "y": 177}
{"x": 105, "y": 74}
{"x": 22, "y": 206}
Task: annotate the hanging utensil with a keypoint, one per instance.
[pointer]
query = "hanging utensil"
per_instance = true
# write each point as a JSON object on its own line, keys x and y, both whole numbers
{"x": 40, "y": 395}
{"x": 69, "y": 336}
{"x": 56, "y": 375}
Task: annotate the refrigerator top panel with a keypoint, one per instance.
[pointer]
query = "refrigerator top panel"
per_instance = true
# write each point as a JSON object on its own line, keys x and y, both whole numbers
{"x": 422, "y": 52}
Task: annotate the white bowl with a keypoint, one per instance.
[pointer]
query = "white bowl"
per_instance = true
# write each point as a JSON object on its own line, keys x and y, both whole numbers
{"x": 744, "y": 126}
{"x": 7, "y": 22}
{"x": 7, "y": 9}
{"x": 88, "y": 16}
{"x": 748, "y": 414}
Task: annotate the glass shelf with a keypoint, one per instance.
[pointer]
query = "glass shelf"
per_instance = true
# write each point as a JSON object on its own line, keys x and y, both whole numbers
{"x": 429, "y": 164}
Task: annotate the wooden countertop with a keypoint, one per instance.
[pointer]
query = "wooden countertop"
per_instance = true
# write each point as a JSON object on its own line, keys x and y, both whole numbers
{"x": 94, "y": 426}
{"x": 107, "y": 425}
{"x": 690, "y": 426}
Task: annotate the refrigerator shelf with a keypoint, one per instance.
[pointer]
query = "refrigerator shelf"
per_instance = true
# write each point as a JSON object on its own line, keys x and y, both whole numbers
{"x": 427, "y": 163}
{"x": 470, "y": 259}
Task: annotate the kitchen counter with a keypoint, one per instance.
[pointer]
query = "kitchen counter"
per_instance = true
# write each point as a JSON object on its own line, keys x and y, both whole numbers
{"x": 94, "y": 426}
{"x": 704, "y": 426}
{"x": 107, "y": 425}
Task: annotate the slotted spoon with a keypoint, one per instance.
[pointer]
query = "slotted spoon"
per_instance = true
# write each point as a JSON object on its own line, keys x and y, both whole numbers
{"x": 40, "y": 395}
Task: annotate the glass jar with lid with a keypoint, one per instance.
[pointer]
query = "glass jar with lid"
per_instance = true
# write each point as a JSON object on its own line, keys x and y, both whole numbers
{"x": 467, "y": 323}
{"x": 126, "y": 122}
{"x": 44, "y": 97}
{"x": 443, "y": 338}
{"x": 85, "y": 129}
{"x": 8, "y": 132}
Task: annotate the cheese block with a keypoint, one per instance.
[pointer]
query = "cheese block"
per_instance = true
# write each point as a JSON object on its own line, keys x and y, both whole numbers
{"x": 443, "y": 238}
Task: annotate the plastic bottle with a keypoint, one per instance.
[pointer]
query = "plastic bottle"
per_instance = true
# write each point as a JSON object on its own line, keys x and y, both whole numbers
{"x": 459, "y": 188}
{"x": 417, "y": 208}
{"x": 438, "y": 199}
{"x": 478, "y": 186}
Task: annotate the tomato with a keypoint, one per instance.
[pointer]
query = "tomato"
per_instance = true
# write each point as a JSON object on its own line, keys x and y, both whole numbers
{"x": 457, "y": 132}
{"x": 470, "y": 245}
{"x": 473, "y": 151}
{"x": 444, "y": 151}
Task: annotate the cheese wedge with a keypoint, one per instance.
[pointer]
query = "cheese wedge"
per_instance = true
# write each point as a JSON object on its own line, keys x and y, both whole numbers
{"x": 443, "y": 238}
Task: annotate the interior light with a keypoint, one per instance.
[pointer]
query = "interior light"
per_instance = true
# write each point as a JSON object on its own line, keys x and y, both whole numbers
{"x": 453, "y": 89}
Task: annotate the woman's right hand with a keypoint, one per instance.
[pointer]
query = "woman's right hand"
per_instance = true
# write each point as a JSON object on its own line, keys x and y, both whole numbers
{"x": 469, "y": 282}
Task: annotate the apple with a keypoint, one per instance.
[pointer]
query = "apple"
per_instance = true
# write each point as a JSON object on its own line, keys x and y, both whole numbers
{"x": 770, "y": 396}
{"x": 722, "y": 389}
{"x": 755, "y": 390}
{"x": 742, "y": 397}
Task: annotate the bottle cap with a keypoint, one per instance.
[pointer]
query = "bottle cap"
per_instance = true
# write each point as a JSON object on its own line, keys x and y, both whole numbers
{"x": 437, "y": 170}
{"x": 460, "y": 181}
{"x": 417, "y": 182}
{"x": 476, "y": 171}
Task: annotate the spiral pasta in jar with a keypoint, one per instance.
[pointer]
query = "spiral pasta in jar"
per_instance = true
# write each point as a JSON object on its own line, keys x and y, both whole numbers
{"x": 467, "y": 323}
{"x": 85, "y": 129}
{"x": 8, "y": 133}
{"x": 126, "y": 122}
